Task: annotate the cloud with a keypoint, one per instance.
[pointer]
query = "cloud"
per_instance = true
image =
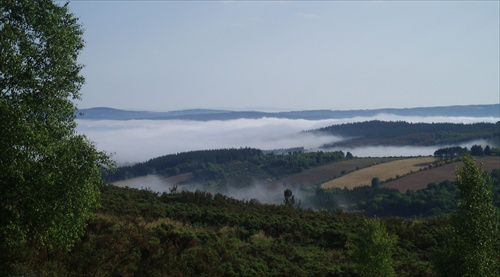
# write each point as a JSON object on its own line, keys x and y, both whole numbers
{"x": 139, "y": 140}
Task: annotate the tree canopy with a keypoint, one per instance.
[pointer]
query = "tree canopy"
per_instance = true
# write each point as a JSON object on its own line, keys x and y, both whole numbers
{"x": 48, "y": 173}
{"x": 471, "y": 241}
{"x": 372, "y": 249}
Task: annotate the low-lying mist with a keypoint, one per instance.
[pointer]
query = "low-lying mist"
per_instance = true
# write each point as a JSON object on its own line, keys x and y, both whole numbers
{"x": 398, "y": 151}
{"x": 134, "y": 141}
{"x": 270, "y": 194}
{"x": 139, "y": 140}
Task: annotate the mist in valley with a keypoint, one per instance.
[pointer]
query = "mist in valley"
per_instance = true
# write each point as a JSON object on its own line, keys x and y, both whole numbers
{"x": 133, "y": 141}
{"x": 405, "y": 151}
{"x": 263, "y": 193}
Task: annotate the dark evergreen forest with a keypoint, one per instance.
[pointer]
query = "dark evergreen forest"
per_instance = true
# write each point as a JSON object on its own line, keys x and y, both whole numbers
{"x": 401, "y": 133}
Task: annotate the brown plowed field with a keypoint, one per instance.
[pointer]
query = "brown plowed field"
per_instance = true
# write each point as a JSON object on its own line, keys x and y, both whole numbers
{"x": 327, "y": 172}
{"x": 421, "y": 179}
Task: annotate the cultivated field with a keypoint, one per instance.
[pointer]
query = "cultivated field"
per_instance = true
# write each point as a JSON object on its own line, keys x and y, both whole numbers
{"x": 325, "y": 173}
{"x": 421, "y": 179}
{"x": 383, "y": 171}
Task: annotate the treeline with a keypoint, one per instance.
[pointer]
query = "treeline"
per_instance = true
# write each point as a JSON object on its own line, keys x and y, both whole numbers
{"x": 237, "y": 167}
{"x": 174, "y": 164}
{"x": 394, "y": 133}
{"x": 457, "y": 151}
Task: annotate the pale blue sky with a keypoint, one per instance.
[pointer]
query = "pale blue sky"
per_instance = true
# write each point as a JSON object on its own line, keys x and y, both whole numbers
{"x": 171, "y": 55}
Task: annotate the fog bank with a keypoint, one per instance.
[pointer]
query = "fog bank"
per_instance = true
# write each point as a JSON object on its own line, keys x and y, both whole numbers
{"x": 398, "y": 151}
{"x": 139, "y": 140}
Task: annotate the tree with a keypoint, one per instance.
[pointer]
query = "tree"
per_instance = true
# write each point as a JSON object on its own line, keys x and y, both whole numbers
{"x": 372, "y": 250}
{"x": 49, "y": 174}
{"x": 469, "y": 243}
{"x": 487, "y": 150}
{"x": 289, "y": 198}
{"x": 476, "y": 150}
{"x": 375, "y": 182}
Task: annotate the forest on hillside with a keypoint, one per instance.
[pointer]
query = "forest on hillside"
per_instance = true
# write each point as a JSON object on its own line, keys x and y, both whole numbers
{"x": 237, "y": 167}
{"x": 401, "y": 133}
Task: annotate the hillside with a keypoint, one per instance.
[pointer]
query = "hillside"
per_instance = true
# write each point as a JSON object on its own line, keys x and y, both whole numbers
{"x": 181, "y": 233}
{"x": 223, "y": 168}
{"x": 249, "y": 174}
{"x": 141, "y": 233}
{"x": 105, "y": 113}
{"x": 387, "y": 133}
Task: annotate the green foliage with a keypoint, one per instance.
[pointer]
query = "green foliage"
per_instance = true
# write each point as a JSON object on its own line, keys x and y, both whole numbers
{"x": 436, "y": 200}
{"x": 375, "y": 182}
{"x": 450, "y": 152}
{"x": 372, "y": 249}
{"x": 192, "y": 161}
{"x": 487, "y": 150}
{"x": 471, "y": 243}
{"x": 48, "y": 173}
{"x": 289, "y": 198}
{"x": 476, "y": 150}
{"x": 457, "y": 151}
{"x": 141, "y": 233}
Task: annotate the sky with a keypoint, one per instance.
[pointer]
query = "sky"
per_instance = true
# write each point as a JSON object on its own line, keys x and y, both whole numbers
{"x": 289, "y": 55}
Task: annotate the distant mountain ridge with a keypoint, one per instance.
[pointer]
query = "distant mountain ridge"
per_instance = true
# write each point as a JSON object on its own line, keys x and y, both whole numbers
{"x": 106, "y": 113}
